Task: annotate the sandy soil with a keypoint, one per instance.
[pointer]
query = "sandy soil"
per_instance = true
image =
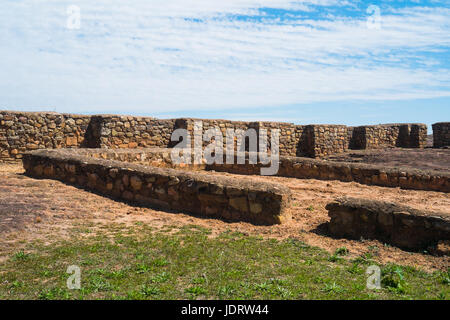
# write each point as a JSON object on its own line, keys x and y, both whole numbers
{"x": 48, "y": 210}
{"x": 427, "y": 159}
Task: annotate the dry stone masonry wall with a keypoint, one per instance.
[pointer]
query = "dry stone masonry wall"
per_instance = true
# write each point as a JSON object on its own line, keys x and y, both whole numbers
{"x": 149, "y": 177}
{"x": 133, "y": 132}
{"x": 129, "y": 158}
{"x": 155, "y": 157}
{"x": 388, "y": 135}
{"x": 203, "y": 194}
{"x": 24, "y": 131}
{"x": 395, "y": 224}
{"x": 323, "y": 140}
{"x": 293, "y": 167}
{"x": 305, "y": 168}
{"x": 441, "y": 134}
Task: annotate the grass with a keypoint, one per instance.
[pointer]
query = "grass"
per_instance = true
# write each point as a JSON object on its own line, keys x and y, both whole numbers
{"x": 140, "y": 263}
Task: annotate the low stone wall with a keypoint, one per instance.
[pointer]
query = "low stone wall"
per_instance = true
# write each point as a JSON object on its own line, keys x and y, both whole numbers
{"x": 323, "y": 140}
{"x": 398, "y": 225}
{"x": 305, "y": 168}
{"x": 196, "y": 128}
{"x": 441, "y": 134}
{"x": 295, "y": 140}
{"x": 292, "y": 167}
{"x": 155, "y": 157}
{"x": 198, "y": 193}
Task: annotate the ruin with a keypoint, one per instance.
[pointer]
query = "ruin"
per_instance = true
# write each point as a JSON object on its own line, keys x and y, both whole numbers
{"x": 129, "y": 158}
{"x": 441, "y": 134}
{"x": 25, "y": 131}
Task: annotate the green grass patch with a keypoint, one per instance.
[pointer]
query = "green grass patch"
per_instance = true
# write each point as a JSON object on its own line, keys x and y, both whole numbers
{"x": 141, "y": 263}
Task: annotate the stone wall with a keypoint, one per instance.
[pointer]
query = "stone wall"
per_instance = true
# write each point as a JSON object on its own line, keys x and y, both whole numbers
{"x": 441, "y": 134}
{"x": 417, "y": 136}
{"x": 155, "y": 157}
{"x": 391, "y": 223}
{"x": 295, "y": 140}
{"x": 370, "y": 174}
{"x": 24, "y": 131}
{"x": 323, "y": 140}
{"x": 133, "y": 132}
{"x": 230, "y": 198}
{"x": 293, "y": 167}
{"x": 387, "y": 135}
{"x": 290, "y": 136}
{"x": 198, "y": 127}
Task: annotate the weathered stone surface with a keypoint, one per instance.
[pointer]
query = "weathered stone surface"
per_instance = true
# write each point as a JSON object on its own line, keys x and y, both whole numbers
{"x": 389, "y": 222}
{"x": 441, "y": 134}
{"x": 295, "y": 167}
{"x": 23, "y": 131}
{"x": 239, "y": 204}
{"x": 71, "y": 141}
{"x": 371, "y": 174}
{"x": 194, "y": 192}
{"x": 33, "y": 130}
{"x": 405, "y": 135}
{"x": 255, "y": 207}
{"x": 136, "y": 183}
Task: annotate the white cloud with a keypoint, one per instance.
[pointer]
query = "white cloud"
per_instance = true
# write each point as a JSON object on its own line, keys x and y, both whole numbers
{"x": 152, "y": 56}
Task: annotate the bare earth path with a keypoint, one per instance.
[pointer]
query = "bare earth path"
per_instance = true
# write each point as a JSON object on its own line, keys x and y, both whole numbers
{"x": 425, "y": 159}
{"x": 48, "y": 210}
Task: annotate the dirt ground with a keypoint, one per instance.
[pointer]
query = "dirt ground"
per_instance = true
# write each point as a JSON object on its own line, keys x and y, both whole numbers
{"x": 47, "y": 210}
{"x": 427, "y": 159}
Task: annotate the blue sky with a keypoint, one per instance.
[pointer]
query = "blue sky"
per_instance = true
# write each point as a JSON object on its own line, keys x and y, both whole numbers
{"x": 313, "y": 61}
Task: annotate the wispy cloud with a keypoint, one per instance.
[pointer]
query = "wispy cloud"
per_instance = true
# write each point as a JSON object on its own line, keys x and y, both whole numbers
{"x": 168, "y": 55}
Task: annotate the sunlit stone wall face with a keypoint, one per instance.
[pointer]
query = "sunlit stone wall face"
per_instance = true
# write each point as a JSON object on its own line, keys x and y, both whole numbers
{"x": 441, "y": 134}
{"x": 25, "y": 131}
